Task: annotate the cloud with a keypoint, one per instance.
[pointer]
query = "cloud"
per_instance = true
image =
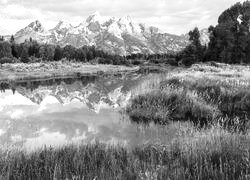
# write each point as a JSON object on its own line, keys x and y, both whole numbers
{"x": 8, "y": 99}
{"x": 16, "y": 114}
{"x": 173, "y": 16}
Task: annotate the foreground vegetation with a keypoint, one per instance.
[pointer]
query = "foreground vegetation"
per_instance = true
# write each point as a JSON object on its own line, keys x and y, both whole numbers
{"x": 203, "y": 94}
{"x": 208, "y": 154}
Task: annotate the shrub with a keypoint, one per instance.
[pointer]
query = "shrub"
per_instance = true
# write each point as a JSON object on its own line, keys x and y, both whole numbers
{"x": 172, "y": 62}
{"x": 104, "y": 61}
{"x": 136, "y": 62}
{"x": 187, "y": 61}
{"x": 6, "y": 60}
{"x": 161, "y": 108}
{"x": 33, "y": 59}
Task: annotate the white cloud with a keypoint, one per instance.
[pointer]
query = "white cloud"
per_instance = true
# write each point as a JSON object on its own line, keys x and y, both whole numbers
{"x": 16, "y": 114}
{"x": 173, "y": 16}
{"x": 49, "y": 100}
{"x": 8, "y": 99}
{"x": 2, "y": 132}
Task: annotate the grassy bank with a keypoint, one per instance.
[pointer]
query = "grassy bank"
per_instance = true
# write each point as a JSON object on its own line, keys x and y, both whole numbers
{"x": 208, "y": 154}
{"x": 203, "y": 94}
{"x": 21, "y": 71}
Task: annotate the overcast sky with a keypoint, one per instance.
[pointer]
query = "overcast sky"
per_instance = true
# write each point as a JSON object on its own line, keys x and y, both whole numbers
{"x": 172, "y": 16}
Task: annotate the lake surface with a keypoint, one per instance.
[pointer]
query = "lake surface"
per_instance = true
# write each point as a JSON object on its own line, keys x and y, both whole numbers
{"x": 55, "y": 112}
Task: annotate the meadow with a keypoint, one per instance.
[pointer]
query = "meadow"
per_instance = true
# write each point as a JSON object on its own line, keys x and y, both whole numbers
{"x": 207, "y": 106}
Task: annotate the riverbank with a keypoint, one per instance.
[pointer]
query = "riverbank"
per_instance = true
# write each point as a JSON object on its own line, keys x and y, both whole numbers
{"x": 22, "y": 71}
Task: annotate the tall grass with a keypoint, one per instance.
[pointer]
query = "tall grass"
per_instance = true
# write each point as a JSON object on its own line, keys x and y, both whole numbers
{"x": 202, "y": 94}
{"x": 208, "y": 154}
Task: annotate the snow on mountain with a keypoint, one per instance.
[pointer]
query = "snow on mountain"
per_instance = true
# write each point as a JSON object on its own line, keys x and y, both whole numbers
{"x": 34, "y": 30}
{"x": 114, "y": 35}
{"x": 96, "y": 17}
{"x": 60, "y": 31}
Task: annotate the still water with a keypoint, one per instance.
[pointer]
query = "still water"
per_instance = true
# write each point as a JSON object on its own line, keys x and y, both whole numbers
{"x": 55, "y": 112}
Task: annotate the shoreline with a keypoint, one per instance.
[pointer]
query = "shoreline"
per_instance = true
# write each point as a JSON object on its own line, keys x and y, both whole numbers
{"x": 37, "y": 71}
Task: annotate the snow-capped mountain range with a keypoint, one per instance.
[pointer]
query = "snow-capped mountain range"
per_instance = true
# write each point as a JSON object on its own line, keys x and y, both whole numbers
{"x": 121, "y": 36}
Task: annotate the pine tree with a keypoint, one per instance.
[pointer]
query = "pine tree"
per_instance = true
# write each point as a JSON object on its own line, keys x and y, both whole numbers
{"x": 25, "y": 55}
{"x": 58, "y": 53}
{"x": 5, "y": 49}
{"x": 12, "y": 39}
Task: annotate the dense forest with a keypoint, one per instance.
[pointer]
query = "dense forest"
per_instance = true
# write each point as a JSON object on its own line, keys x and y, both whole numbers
{"x": 229, "y": 43}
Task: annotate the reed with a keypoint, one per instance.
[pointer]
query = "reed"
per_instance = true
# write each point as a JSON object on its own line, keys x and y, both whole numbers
{"x": 201, "y": 154}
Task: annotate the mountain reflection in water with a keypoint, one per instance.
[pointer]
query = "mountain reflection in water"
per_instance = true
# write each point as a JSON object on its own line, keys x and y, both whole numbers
{"x": 55, "y": 112}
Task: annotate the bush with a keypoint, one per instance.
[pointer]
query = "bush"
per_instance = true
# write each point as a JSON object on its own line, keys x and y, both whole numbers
{"x": 156, "y": 61}
{"x": 121, "y": 62}
{"x": 136, "y": 62}
{"x": 187, "y": 61}
{"x": 33, "y": 59}
{"x": 161, "y": 108}
{"x": 6, "y": 60}
{"x": 104, "y": 61}
{"x": 172, "y": 62}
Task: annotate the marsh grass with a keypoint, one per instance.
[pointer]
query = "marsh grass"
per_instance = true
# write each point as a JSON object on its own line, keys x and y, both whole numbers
{"x": 203, "y": 94}
{"x": 209, "y": 154}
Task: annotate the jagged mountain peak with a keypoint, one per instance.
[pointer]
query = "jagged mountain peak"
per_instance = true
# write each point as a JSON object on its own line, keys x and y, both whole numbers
{"x": 129, "y": 26}
{"x": 63, "y": 25}
{"x": 96, "y": 13}
{"x": 96, "y": 17}
{"x": 126, "y": 19}
{"x": 34, "y": 30}
{"x": 36, "y": 26}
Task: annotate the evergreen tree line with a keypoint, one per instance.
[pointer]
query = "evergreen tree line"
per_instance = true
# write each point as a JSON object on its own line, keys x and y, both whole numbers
{"x": 229, "y": 40}
{"x": 32, "y": 51}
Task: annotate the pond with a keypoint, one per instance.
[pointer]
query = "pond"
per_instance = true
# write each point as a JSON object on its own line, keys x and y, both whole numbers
{"x": 55, "y": 112}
